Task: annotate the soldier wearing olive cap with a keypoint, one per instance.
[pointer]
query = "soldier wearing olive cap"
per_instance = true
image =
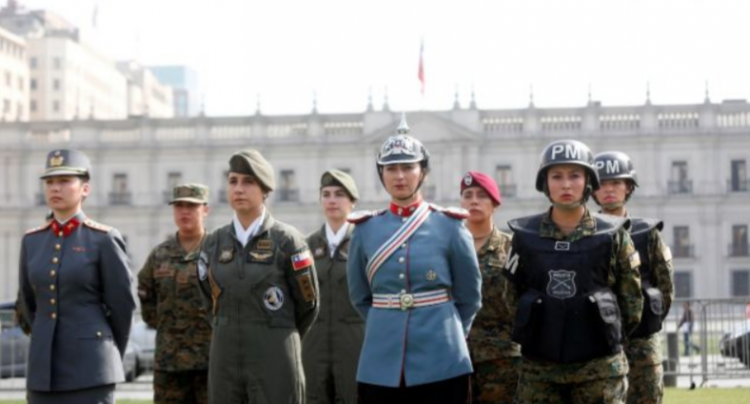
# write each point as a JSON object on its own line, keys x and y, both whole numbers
{"x": 259, "y": 277}
{"x": 75, "y": 293}
{"x": 331, "y": 350}
{"x": 171, "y": 303}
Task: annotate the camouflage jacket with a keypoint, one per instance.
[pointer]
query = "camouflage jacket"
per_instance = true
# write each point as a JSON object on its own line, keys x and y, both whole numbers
{"x": 171, "y": 303}
{"x": 490, "y": 335}
{"x": 644, "y": 351}
{"x": 661, "y": 268}
{"x": 625, "y": 282}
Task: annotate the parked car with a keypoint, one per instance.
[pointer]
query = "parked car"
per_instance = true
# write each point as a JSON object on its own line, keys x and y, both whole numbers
{"x": 736, "y": 342}
{"x": 14, "y": 348}
{"x": 143, "y": 338}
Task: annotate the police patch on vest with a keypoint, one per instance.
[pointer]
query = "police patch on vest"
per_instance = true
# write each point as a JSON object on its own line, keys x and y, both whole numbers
{"x": 562, "y": 246}
{"x": 226, "y": 255}
{"x": 203, "y": 266}
{"x": 561, "y": 284}
{"x": 273, "y": 298}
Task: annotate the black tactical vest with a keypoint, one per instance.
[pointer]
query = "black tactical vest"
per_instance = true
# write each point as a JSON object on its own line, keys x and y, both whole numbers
{"x": 567, "y": 312}
{"x": 653, "y": 301}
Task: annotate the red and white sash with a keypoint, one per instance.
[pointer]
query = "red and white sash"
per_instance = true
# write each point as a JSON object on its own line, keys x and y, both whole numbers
{"x": 404, "y": 232}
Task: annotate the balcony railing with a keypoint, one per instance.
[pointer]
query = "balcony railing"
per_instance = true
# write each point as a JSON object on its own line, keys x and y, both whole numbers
{"x": 287, "y": 195}
{"x": 40, "y": 199}
{"x": 683, "y": 251}
{"x": 120, "y": 198}
{"x": 508, "y": 190}
{"x": 739, "y": 250}
{"x": 738, "y": 186}
{"x": 680, "y": 187}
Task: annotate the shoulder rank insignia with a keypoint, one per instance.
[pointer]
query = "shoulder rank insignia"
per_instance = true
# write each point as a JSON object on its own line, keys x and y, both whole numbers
{"x": 40, "y": 228}
{"x": 362, "y": 216}
{"x": 97, "y": 226}
{"x": 456, "y": 213}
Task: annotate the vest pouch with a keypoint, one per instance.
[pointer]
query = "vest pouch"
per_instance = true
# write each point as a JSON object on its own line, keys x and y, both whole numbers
{"x": 651, "y": 317}
{"x": 609, "y": 313}
{"x": 528, "y": 315}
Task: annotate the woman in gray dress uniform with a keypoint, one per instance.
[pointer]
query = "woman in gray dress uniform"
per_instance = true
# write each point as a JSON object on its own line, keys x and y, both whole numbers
{"x": 75, "y": 294}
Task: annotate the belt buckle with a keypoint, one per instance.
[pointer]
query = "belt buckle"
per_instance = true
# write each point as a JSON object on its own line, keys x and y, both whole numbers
{"x": 406, "y": 300}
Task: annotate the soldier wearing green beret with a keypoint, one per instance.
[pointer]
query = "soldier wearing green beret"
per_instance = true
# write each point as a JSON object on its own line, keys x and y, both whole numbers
{"x": 259, "y": 276}
{"x": 331, "y": 350}
{"x": 171, "y": 303}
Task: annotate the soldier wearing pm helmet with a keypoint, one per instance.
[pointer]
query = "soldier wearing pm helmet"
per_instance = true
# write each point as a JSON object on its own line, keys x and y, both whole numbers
{"x": 643, "y": 348}
{"x": 575, "y": 287}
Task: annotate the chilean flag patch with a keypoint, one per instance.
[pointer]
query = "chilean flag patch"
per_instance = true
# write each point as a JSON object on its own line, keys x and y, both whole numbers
{"x": 302, "y": 260}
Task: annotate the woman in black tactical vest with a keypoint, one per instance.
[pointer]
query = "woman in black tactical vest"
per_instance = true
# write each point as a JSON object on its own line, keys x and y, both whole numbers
{"x": 577, "y": 288}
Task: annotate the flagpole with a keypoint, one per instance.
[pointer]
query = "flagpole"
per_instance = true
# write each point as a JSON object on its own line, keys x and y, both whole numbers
{"x": 420, "y": 73}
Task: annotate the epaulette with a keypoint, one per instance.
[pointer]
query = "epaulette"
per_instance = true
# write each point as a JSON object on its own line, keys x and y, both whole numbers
{"x": 40, "y": 228}
{"x": 362, "y": 216}
{"x": 97, "y": 226}
{"x": 456, "y": 213}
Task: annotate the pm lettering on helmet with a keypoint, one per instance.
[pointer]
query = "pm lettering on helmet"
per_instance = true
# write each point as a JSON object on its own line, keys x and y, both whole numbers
{"x": 571, "y": 152}
{"x": 398, "y": 145}
{"x": 610, "y": 166}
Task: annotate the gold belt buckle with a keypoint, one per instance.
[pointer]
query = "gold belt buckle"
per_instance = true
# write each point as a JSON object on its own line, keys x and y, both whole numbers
{"x": 406, "y": 300}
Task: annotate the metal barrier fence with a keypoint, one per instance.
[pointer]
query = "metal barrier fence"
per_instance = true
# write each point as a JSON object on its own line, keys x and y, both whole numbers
{"x": 717, "y": 348}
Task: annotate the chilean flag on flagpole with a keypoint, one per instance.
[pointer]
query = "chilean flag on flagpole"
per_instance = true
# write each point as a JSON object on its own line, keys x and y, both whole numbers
{"x": 420, "y": 73}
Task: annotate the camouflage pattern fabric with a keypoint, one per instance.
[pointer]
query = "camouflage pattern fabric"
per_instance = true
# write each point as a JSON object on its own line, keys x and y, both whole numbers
{"x": 624, "y": 279}
{"x": 661, "y": 268}
{"x": 495, "y": 381}
{"x": 609, "y": 390}
{"x": 646, "y": 384}
{"x": 171, "y": 303}
{"x": 187, "y": 387}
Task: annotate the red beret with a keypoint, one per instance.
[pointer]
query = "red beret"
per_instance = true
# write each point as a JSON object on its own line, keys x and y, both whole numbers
{"x": 484, "y": 181}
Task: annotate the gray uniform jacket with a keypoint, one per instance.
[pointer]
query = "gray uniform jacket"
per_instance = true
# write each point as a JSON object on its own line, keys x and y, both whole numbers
{"x": 75, "y": 291}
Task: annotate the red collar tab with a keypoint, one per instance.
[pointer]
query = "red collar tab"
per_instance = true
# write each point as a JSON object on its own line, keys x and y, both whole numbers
{"x": 65, "y": 230}
{"x": 404, "y": 211}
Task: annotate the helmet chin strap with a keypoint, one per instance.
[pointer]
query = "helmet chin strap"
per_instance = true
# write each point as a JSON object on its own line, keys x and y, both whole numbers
{"x": 568, "y": 206}
{"x": 612, "y": 206}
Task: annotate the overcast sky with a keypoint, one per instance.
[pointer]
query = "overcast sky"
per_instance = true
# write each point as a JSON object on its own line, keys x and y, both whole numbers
{"x": 287, "y": 50}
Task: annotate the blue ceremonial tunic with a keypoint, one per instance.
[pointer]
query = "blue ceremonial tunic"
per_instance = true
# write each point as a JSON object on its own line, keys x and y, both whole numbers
{"x": 425, "y": 344}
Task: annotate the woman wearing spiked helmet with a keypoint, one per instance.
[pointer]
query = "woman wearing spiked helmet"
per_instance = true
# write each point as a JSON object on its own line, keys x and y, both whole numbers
{"x": 643, "y": 348}
{"x": 259, "y": 278}
{"x": 576, "y": 288}
{"x": 413, "y": 276}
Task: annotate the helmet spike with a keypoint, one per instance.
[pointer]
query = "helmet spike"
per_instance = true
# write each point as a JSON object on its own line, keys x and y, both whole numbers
{"x": 403, "y": 127}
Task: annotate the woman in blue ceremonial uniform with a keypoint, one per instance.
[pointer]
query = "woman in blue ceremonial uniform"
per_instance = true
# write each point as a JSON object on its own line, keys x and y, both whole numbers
{"x": 413, "y": 276}
{"x": 75, "y": 293}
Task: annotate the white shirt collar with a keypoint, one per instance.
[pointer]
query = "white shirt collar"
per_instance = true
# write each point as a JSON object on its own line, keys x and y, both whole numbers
{"x": 244, "y": 235}
{"x": 334, "y": 239}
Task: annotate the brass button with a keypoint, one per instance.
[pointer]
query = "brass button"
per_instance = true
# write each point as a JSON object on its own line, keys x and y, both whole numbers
{"x": 53, "y": 315}
{"x": 57, "y": 247}
{"x": 401, "y": 260}
{"x": 55, "y": 260}
{"x": 401, "y": 276}
{"x": 52, "y": 301}
{"x": 403, "y": 245}
{"x": 59, "y": 234}
{"x": 99, "y": 334}
{"x": 403, "y": 220}
{"x": 52, "y": 273}
{"x": 52, "y": 287}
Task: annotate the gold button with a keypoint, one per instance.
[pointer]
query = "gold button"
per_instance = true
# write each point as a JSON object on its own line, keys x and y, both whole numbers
{"x": 51, "y": 287}
{"x": 59, "y": 234}
{"x": 53, "y": 315}
{"x": 403, "y": 220}
{"x": 52, "y": 301}
{"x": 401, "y": 276}
{"x": 401, "y": 260}
{"x": 403, "y": 245}
{"x": 55, "y": 260}
{"x": 99, "y": 334}
{"x": 52, "y": 273}
{"x": 57, "y": 247}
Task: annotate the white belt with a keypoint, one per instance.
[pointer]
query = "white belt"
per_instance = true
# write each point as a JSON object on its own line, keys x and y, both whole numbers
{"x": 406, "y": 301}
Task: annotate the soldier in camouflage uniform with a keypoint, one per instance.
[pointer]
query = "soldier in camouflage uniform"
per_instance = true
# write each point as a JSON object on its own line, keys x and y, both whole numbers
{"x": 577, "y": 288}
{"x": 495, "y": 357}
{"x": 259, "y": 277}
{"x": 330, "y": 352}
{"x": 171, "y": 303}
{"x": 643, "y": 348}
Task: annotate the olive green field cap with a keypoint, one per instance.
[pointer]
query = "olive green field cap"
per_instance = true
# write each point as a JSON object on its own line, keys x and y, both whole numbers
{"x": 341, "y": 179}
{"x": 192, "y": 193}
{"x": 251, "y": 162}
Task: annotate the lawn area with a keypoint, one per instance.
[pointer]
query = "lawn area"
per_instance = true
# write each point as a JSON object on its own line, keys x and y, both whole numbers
{"x": 707, "y": 396}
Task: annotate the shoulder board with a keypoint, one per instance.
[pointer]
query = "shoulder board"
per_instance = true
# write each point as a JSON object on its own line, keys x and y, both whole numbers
{"x": 97, "y": 226}
{"x": 456, "y": 213}
{"x": 40, "y": 228}
{"x": 362, "y": 216}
